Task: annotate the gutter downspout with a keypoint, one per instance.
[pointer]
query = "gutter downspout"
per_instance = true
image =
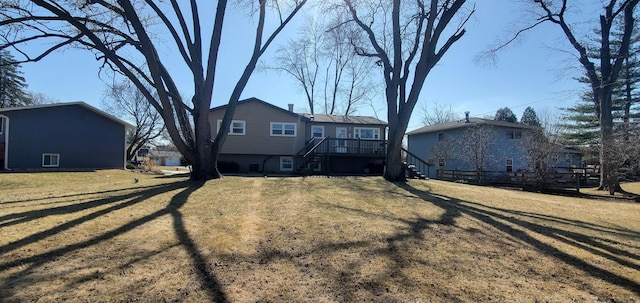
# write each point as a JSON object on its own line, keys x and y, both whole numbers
{"x": 5, "y": 120}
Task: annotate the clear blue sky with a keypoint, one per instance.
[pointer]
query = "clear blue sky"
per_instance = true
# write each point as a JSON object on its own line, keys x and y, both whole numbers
{"x": 531, "y": 73}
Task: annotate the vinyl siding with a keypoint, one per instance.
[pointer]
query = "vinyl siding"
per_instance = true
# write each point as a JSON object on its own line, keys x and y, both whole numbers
{"x": 500, "y": 148}
{"x": 82, "y": 138}
{"x": 257, "y": 138}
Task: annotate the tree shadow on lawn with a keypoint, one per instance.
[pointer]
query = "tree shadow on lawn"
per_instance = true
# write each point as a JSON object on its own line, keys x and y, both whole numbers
{"x": 321, "y": 264}
{"x": 27, "y": 265}
{"x": 520, "y": 223}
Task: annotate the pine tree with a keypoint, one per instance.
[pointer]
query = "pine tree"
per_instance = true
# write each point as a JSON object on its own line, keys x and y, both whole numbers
{"x": 529, "y": 117}
{"x": 583, "y": 125}
{"x": 12, "y": 83}
{"x": 505, "y": 114}
{"x": 582, "y": 128}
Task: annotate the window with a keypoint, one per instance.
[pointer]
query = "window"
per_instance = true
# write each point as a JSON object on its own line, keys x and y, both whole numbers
{"x": 50, "y": 160}
{"x": 143, "y": 152}
{"x": 317, "y": 131}
{"x": 514, "y": 134}
{"x": 283, "y": 129}
{"x": 286, "y": 163}
{"x": 367, "y": 133}
{"x": 440, "y": 136}
{"x": 237, "y": 127}
{"x": 509, "y": 164}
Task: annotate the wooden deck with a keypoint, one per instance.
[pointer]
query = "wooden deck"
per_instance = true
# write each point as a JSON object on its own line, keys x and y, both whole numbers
{"x": 349, "y": 147}
{"x": 329, "y": 155}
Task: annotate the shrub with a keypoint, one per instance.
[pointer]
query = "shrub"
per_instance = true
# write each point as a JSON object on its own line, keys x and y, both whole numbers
{"x": 148, "y": 164}
{"x": 130, "y": 166}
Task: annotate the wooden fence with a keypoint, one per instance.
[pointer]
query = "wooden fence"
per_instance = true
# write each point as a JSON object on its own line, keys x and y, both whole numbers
{"x": 561, "y": 178}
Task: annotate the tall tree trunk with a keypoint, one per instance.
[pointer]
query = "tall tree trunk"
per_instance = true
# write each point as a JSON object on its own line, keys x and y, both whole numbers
{"x": 394, "y": 167}
{"x": 203, "y": 168}
{"x": 609, "y": 177}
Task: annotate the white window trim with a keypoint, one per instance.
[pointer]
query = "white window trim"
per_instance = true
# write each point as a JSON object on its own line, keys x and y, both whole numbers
{"x": 319, "y": 126}
{"x": 357, "y": 133}
{"x": 512, "y": 134}
{"x": 507, "y": 164}
{"x": 51, "y": 165}
{"x": 282, "y": 162}
{"x": 244, "y": 127}
{"x": 284, "y": 124}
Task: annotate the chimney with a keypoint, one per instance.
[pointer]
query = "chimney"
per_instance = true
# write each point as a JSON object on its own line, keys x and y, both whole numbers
{"x": 291, "y": 107}
{"x": 466, "y": 117}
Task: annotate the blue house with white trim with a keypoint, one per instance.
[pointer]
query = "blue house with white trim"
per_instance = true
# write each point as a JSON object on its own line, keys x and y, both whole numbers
{"x": 474, "y": 144}
{"x": 63, "y": 136}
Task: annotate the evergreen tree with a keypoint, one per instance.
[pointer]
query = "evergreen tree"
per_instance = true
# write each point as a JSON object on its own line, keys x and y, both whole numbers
{"x": 582, "y": 128}
{"x": 12, "y": 83}
{"x": 505, "y": 114}
{"x": 582, "y": 121}
{"x": 529, "y": 117}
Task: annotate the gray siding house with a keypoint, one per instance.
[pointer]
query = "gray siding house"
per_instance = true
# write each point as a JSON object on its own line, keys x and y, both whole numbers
{"x": 475, "y": 144}
{"x": 61, "y": 136}
{"x": 269, "y": 139}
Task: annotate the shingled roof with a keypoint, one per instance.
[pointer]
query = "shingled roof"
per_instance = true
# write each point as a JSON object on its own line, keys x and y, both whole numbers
{"x": 321, "y": 118}
{"x": 463, "y": 123}
{"x": 78, "y": 103}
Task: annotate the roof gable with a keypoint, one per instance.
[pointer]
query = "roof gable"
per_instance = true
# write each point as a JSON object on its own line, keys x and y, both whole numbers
{"x": 256, "y": 100}
{"x": 318, "y": 118}
{"x": 80, "y": 103}
{"x": 464, "y": 124}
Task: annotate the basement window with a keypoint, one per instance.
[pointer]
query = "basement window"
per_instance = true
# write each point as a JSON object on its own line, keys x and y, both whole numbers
{"x": 50, "y": 160}
{"x": 286, "y": 163}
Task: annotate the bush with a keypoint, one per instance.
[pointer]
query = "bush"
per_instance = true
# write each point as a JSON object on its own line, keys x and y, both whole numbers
{"x": 130, "y": 166}
{"x": 148, "y": 164}
{"x": 228, "y": 167}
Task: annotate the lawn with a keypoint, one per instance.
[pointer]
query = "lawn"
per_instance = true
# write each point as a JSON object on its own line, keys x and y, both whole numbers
{"x": 116, "y": 236}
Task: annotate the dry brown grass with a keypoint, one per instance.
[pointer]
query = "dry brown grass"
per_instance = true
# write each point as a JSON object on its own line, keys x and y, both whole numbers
{"x": 91, "y": 237}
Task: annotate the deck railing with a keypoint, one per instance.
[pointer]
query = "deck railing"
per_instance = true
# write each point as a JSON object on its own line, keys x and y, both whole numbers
{"x": 349, "y": 147}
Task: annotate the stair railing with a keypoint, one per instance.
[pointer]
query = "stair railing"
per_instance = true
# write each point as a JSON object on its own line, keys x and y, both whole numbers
{"x": 421, "y": 166}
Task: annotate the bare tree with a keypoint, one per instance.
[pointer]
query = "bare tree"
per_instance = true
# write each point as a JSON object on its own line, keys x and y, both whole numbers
{"x": 122, "y": 36}
{"x": 40, "y": 98}
{"x": 404, "y": 39}
{"x": 301, "y": 59}
{"x": 602, "y": 79}
{"x": 475, "y": 146}
{"x": 128, "y": 103}
{"x": 443, "y": 151}
{"x": 437, "y": 113}
{"x": 552, "y": 123}
{"x": 540, "y": 154}
{"x": 324, "y": 65}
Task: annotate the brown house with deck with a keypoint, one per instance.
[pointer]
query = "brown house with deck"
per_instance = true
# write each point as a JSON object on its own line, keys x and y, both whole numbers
{"x": 269, "y": 139}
